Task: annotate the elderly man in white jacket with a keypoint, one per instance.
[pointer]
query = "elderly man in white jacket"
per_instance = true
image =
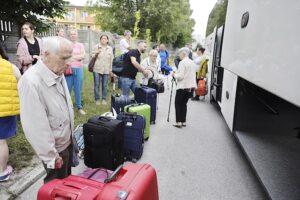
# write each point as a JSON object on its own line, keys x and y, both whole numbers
{"x": 46, "y": 108}
{"x": 186, "y": 82}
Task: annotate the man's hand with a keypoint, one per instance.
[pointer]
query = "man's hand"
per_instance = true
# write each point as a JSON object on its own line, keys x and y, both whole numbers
{"x": 145, "y": 73}
{"x": 111, "y": 74}
{"x": 59, "y": 163}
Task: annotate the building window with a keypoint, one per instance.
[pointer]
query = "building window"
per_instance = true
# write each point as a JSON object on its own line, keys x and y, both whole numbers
{"x": 82, "y": 27}
{"x": 70, "y": 15}
{"x": 84, "y": 14}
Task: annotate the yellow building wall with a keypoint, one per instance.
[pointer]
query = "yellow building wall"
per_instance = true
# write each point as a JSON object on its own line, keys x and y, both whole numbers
{"x": 77, "y": 17}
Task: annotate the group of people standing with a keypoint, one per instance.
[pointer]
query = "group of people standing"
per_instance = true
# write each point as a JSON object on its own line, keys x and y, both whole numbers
{"x": 42, "y": 94}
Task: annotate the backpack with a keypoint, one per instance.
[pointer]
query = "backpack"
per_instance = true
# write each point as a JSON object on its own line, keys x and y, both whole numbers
{"x": 117, "y": 65}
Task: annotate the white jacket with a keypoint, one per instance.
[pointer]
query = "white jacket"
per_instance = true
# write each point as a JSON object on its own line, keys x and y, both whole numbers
{"x": 46, "y": 111}
{"x": 186, "y": 76}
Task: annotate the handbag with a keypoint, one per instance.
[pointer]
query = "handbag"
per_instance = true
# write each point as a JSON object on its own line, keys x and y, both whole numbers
{"x": 92, "y": 63}
{"x": 68, "y": 71}
{"x": 157, "y": 84}
{"x": 201, "y": 88}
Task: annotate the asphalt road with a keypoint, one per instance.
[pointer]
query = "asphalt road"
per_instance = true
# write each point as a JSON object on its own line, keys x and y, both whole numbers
{"x": 199, "y": 162}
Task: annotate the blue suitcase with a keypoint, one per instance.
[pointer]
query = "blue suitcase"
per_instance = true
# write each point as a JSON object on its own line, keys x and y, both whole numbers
{"x": 133, "y": 135}
{"x": 118, "y": 102}
{"x": 148, "y": 96}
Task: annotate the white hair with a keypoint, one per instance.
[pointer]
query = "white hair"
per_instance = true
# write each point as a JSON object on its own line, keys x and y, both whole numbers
{"x": 52, "y": 44}
{"x": 126, "y": 32}
{"x": 153, "y": 52}
{"x": 184, "y": 50}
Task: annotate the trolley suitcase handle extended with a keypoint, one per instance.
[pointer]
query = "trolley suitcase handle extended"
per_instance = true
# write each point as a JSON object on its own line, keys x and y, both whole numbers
{"x": 114, "y": 175}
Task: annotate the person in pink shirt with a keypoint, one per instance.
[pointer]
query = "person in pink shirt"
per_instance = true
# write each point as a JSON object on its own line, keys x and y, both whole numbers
{"x": 29, "y": 48}
{"x": 76, "y": 79}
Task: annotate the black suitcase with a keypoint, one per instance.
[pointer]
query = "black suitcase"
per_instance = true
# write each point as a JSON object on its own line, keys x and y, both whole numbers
{"x": 103, "y": 141}
{"x": 148, "y": 96}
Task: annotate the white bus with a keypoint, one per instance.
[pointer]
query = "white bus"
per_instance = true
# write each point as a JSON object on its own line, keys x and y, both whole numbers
{"x": 255, "y": 81}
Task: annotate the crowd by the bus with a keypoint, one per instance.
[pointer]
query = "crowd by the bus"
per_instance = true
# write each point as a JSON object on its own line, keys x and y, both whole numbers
{"x": 39, "y": 85}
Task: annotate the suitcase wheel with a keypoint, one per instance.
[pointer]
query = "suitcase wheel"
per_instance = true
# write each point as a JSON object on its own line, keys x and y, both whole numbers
{"x": 153, "y": 122}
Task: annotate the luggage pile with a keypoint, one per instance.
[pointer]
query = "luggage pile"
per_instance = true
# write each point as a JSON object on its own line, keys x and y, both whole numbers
{"x": 131, "y": 182}
{"x": 108, "y": 142}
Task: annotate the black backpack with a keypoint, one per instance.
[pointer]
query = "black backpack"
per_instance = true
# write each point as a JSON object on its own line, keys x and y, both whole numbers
{"x": 117, "y": 65}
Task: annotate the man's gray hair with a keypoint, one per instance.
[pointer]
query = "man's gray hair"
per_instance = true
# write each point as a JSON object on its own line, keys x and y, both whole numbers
{"x": 126, "y": 32}
{"x": 52, "y": 44}
{"x": 184, "y": 50}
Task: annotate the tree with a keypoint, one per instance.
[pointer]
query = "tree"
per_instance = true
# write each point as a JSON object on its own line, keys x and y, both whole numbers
{"x": 217, "y": 16}
{"x": 168, "y": 20}
{"x": 34, "y": 11}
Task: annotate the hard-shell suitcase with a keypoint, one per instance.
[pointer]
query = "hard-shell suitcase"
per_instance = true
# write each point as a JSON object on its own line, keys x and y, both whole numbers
{"x": 103, "y": 141}
{"x": 133, "y": 135}
{"x": 118, "y": 102}
{"x": 131, "y": 182}
{"x": 148, "y": 96}
{"x": 201, "y": 88}
{"x": 141, "y": 109}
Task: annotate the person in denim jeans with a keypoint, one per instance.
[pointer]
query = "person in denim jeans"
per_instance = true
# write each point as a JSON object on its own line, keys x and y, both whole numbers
{"x": 76, "y": 79}
{"x": 102, "y": 68}
{"x": 131, "y": 67}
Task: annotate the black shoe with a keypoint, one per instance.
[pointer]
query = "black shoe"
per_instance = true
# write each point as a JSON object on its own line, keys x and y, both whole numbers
{"x": 195, "y": 99}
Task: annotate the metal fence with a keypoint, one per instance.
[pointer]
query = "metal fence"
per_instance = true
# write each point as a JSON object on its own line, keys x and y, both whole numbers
{"x": 9, "y": 36}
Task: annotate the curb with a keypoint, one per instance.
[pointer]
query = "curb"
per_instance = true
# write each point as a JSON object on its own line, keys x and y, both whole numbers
{"x": 4, "y": 195}
{"x": 26, "y": 181}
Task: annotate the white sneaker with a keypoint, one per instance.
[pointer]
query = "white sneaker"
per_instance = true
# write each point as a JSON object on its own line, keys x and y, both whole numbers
{"x": 4, "y": 176}
{"x": 104, "y": 102}
{"x": 98, "y": 102}
{"x": 81, "y": 112}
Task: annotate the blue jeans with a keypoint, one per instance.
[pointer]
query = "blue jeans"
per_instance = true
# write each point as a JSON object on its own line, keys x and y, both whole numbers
{"x": 128, "y": 84}
{"x": 103, "y": 78}
{"x": 75, "y": 80}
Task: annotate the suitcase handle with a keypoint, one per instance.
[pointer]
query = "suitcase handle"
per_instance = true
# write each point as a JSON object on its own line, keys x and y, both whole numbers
{"x": 114, "y": 175}
{"x": 104, "y": 118}
{"x": 59, "y": 195}
{"x": 130, "y": 114}
{"x": 132, "y": 105}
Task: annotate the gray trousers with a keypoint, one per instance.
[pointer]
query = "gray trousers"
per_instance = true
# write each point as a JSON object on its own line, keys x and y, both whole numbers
{"x": 64, "y": 171}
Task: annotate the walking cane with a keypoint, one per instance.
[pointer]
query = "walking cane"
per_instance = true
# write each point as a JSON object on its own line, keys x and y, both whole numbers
{"x": 173, "y": 80}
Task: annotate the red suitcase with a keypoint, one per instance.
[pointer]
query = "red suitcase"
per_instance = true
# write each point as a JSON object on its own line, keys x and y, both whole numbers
{"x": 131, "y": 182}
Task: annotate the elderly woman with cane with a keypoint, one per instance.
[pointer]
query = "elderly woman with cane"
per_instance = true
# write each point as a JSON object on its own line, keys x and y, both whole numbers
{"x": 186, "y": 82}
